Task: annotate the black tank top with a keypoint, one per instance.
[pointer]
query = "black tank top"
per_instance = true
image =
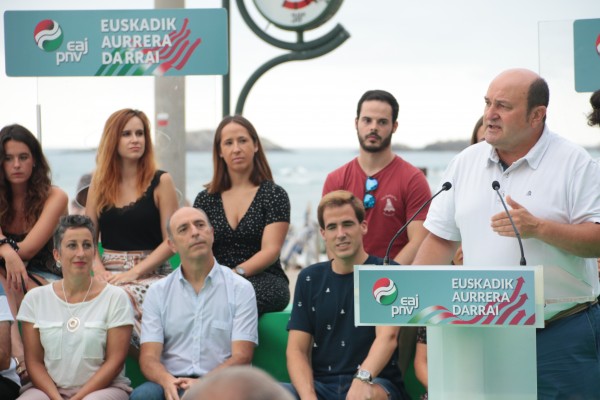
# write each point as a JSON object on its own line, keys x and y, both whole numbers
{"x": 135, "y": 226}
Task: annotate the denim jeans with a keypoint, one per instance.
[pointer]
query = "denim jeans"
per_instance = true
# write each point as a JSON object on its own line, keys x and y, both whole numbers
{"x": 336, "y": 387}
{"x": 150, "y": 391}
{"x": 568, "y": 357}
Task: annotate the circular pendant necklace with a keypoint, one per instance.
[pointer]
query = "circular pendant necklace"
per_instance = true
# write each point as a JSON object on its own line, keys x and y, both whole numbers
{"x": 74, "y": 322}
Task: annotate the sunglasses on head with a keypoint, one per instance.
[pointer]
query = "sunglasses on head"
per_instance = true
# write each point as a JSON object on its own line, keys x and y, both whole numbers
{"x": 371, "y": 185}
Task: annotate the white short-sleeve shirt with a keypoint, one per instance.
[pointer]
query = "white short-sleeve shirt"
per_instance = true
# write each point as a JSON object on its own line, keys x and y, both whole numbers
{"x": 557, "y": 180}
{"x": 71, "y": 358}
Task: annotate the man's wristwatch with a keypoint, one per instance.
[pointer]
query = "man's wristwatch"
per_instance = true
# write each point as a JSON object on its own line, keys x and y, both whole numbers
{"x": 240, "y": 271}
{"x": 363, "y": 375}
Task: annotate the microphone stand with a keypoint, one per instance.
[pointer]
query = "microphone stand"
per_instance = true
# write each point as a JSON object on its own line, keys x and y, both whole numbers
{"x": 386, "y": 259}
{"x": 496, "y": 187}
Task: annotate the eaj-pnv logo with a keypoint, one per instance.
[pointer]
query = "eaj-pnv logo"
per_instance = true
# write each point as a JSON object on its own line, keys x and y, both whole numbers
{"x": 48, "y": 35}
{"x": 385, "y": 291}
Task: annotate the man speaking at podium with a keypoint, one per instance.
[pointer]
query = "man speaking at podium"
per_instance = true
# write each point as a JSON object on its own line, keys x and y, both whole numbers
{"x": 552, "y": 188}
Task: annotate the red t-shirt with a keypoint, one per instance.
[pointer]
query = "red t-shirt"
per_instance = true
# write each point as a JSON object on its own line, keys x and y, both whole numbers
{"x": 402, "y": 189}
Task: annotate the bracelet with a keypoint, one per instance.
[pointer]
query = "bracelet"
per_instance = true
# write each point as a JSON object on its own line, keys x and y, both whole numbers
{"x": 20, "y": 370}
{"x": 10, "y": 242}
{"x": 16, "y": 361}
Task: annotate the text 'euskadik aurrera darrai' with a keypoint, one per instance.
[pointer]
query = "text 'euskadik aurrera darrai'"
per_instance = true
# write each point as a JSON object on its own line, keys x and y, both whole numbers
{"x": 434, "y": 296}
{"x": 116, "y": 42}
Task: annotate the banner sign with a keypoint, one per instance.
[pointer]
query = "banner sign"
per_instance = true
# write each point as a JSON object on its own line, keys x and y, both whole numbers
{"x": 162, "y": 42}
{"x": 586, "y": 46}
{"x": 436, "y": 295}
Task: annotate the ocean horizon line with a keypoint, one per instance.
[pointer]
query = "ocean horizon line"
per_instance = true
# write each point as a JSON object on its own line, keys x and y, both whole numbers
{"x": 449, "y": 146}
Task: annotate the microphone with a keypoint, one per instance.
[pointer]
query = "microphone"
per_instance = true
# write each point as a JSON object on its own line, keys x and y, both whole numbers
{"x": 496, "y": 187}
{"x": 386, "y": 259}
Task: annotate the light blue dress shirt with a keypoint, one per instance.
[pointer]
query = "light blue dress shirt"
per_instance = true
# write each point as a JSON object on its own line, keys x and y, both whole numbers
{"x": 197, "y": 330}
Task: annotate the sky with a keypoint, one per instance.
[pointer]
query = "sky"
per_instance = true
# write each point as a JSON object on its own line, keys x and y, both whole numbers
{"x": 437, "y": 57}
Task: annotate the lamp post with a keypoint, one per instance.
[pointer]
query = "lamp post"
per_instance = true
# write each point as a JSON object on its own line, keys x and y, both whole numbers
{"x": 293, "y": 15}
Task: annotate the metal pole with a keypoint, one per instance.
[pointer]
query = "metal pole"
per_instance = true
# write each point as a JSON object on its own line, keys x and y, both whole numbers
{"x": 38, "y": 117}
{"x": 227, "y": 77}
{"x": 169, "y": 124}
{"x": 300, "y": 50}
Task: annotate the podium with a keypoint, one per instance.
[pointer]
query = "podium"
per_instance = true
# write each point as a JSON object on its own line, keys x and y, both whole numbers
{"x": 481, "y": 323}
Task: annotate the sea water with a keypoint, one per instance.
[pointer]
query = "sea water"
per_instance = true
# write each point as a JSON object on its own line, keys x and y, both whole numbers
{"x": 300, "y": 172}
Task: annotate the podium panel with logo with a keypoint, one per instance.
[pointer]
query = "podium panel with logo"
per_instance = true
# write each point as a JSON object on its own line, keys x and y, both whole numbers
{"x": 480, "y": 323}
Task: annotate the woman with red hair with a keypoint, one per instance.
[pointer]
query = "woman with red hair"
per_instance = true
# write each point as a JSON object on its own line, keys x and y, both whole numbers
{"x": 129, "y": 201}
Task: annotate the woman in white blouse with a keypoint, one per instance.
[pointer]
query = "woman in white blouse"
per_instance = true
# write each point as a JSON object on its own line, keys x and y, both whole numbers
{"x": 76, "y": 331}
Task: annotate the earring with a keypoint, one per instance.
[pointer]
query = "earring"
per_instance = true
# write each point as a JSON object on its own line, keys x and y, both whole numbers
{"x": 58, "y": 264}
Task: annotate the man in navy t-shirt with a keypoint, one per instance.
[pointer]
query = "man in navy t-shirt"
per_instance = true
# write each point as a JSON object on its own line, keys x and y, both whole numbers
{"x": 328, "y": 357}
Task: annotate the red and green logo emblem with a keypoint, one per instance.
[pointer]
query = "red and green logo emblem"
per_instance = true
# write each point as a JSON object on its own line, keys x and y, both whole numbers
{"x": 385, "y": 291}
{"x": 48, "y": 35}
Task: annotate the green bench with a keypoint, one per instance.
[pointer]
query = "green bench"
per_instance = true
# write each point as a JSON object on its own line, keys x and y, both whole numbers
{"x": 269, "y": 355}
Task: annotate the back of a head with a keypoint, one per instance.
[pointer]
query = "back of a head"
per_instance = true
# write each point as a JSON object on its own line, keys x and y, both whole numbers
{"x": 82, "y": 190}
{"x": 594, "y": 116}
{"x": 238, "y": 383}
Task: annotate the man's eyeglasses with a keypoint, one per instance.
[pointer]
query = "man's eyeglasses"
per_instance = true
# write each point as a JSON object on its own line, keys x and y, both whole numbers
{"x": 371, "y": 184}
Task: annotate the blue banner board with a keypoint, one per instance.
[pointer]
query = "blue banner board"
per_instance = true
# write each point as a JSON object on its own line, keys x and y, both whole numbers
{"x": 434, "y": 295}
{"x": 162, "y": 42}
{"x": 586, "y": 46}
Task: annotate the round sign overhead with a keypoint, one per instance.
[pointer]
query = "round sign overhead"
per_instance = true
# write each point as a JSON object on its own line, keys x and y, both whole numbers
{"x": 298, "y": 15}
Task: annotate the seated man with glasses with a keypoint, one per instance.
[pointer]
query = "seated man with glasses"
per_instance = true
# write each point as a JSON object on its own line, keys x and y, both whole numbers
{"x": 200, "y": 318}
{"x": 392, "y": 189}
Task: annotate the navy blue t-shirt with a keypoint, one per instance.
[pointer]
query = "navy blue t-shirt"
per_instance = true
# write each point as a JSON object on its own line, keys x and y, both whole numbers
{"x": 324, "y": 307}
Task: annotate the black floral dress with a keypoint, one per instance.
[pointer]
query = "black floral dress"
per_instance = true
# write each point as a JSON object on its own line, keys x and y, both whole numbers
{"x": 234, "y": 246}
